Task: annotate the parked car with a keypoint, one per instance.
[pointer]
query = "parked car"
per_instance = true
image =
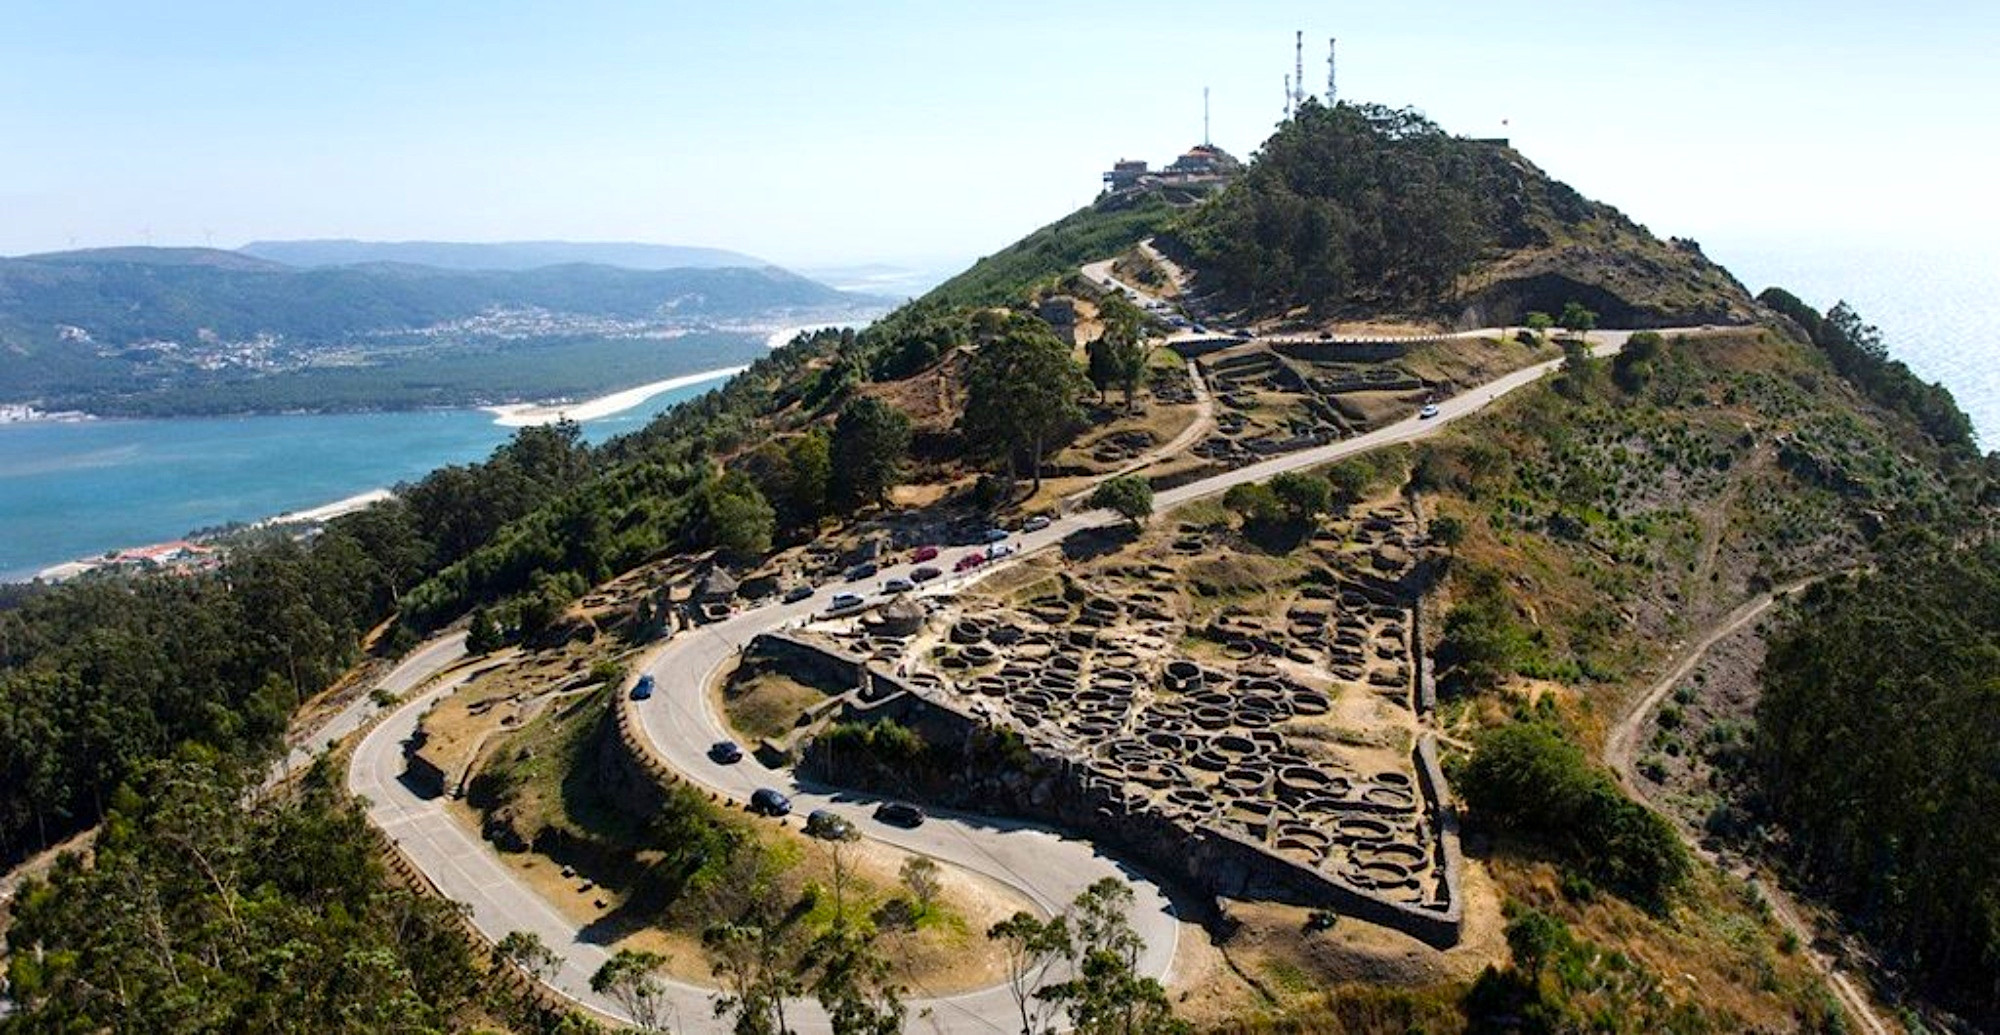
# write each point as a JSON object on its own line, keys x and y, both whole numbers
{"x": 1036, "y": 523}
{"x": 725, "y": 752}
{"x": 821, "y": 823}
{"x": 897, "y": 585}
{"x": 769, "y": 802}
{"x": 969, "y": 562}
{"x": 643, "y": 688}
{"x": 1430, "y": 410}
{"x": 842, "y": 603}
{"x": 997, "y": 551}
{"x": 924, "y": 574}
{"x": 923, "y": 553}
{"x": 864, "y": 570}
{"x": 899, "y": 813}
{"x": 798, "y": 593}
{"x": 993, "y": 535}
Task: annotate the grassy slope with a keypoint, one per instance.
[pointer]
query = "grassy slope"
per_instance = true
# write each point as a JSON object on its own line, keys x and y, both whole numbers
{"x": 1618, "y": 524}
{"x": 1098, "y": 231}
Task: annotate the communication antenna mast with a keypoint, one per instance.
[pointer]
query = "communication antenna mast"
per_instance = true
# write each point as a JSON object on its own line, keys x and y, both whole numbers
{"x": 1204, "y": 116}
{"x": 1298, "y": 69}
{"x": 1288, "y": 95}
{"x": 1329, "y": 71}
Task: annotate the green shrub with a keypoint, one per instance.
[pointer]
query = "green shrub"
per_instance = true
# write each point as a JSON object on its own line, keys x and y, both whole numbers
{"x": 1528, "y": 781}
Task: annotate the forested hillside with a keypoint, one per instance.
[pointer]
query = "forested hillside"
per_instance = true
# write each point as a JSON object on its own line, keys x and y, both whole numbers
{"x": 192, "y": 330}
{"x": 1359, "y": 209}
{"x": 1878, "y": 753}
{"x": 1574, "y": 531}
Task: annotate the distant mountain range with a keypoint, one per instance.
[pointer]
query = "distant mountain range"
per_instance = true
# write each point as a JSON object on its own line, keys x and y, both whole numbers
{"x": 498, "y": 255}
{"x": 109, "y": 330}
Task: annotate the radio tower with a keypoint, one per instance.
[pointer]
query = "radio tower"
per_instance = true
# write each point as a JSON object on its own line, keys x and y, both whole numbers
{"x": 1204, "y": 116}
{"x": 1288, "y": 95}
{"x": 1329, "y": 71}
{"x": 1299, "y": 70}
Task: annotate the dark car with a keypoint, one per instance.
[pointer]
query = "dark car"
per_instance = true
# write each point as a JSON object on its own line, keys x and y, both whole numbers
{"x": 899, "y": 813}
{"x": 864, "y": 570}
{"x": 798, "y": 593}
{"x": 969, "y": 562}
{"x": 924, "y": 574}
{"x": 770, "y": 802}
{"x": 643, "y": 688}
{"x": 821, "y": 823}
{"x": 924, "y": 553}
{"x": 725, "y": 752}
{"x": 993, "y": 535}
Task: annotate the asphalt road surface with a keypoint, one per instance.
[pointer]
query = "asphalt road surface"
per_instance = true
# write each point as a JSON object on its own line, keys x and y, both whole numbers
{"x": 681, "y": 724}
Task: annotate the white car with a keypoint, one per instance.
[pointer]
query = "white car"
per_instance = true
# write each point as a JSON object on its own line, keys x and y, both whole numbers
{"x": 1430, "y": 410}
{"x": 1036, "y": 523}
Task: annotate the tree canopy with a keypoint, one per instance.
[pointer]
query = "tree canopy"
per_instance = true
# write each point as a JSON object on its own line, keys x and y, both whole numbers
{"x": 1022, "y": 393}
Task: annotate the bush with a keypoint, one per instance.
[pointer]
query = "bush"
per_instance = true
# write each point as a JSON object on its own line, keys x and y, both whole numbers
{"x": 1528, "y": 781}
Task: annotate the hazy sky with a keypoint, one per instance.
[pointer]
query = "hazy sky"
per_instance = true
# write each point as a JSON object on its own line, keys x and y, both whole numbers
{"x": 815, "y": 133}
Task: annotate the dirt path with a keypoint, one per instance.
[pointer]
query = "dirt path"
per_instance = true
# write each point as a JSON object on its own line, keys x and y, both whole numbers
{"x": 1621, "y": 751}
{"x": 1198, "y": 429}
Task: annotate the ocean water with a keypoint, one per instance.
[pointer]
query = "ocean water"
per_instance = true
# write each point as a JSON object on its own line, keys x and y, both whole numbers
{"x": 77, "y": 490}
{"x": 1937, "y": 304}
{"x": 71, "y": 490}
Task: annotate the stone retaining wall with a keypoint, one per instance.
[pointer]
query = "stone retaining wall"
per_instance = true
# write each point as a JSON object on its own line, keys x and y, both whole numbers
{"x": 1065, "y": 792}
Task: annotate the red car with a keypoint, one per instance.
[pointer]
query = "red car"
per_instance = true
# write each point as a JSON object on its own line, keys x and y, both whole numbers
{"x": 969, "y": 562}
{"x": 923, "y": 553}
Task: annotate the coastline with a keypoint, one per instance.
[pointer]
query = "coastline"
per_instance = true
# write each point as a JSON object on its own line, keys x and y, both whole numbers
{"x": 327, "y": 511}
{"x": 527, "y": 415}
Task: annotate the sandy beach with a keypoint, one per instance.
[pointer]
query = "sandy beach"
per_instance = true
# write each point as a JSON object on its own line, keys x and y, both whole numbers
{"x": 524, "y": 415}
{"x": 327, "y": 512}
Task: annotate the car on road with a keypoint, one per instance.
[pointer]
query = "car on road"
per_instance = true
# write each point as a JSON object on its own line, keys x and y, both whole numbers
{"x": 1036, "y": 523}
{"x": 969, "y": 562}
{"x": 899, "y": 813}
{"x": 725, "y": 752}
{"x": 993, "y": 535}
{"x": 997, "y": 551}
{"x": 1430, "y": 410}
{"x": 864, "y": 570}
{"x": 923, "y": 553}
{"x": 769, "y": 802}
{"x": 897, "y": 585}
{"x": 925, "y": 574}
{"x": 798, "y": 593}
{"x": 821, "y": 823}
{"x": 643, "y": 688}
{"x": 842, "y": 603}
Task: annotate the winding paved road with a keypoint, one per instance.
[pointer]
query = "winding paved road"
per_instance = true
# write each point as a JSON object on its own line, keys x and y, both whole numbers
{"x": 680, "y": 723}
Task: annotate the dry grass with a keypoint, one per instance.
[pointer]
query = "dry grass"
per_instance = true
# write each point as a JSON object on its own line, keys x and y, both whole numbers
{"x": 767, "y": 704}
{"x": 552, "y": 800}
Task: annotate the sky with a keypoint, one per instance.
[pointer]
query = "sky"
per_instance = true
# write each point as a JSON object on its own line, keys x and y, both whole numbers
{"x": 815, "y": 134}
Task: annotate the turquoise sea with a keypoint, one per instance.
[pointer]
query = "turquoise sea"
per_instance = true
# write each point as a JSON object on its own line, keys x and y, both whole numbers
{"x": 78, "y": 489}
{"x": 74, "y": 490}
{"x": 1938, "y": 304}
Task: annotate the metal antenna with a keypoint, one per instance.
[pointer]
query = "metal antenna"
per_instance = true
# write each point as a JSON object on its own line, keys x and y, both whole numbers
{"x": 1329, "y": 71}
{"x": 1288, "y": 95}
{"x": 1204, "y": 116}
{"x": 1299, "y": 69}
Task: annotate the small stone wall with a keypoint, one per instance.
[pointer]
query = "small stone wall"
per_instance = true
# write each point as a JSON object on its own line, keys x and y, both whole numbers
{"x": 1067, "y": 791}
